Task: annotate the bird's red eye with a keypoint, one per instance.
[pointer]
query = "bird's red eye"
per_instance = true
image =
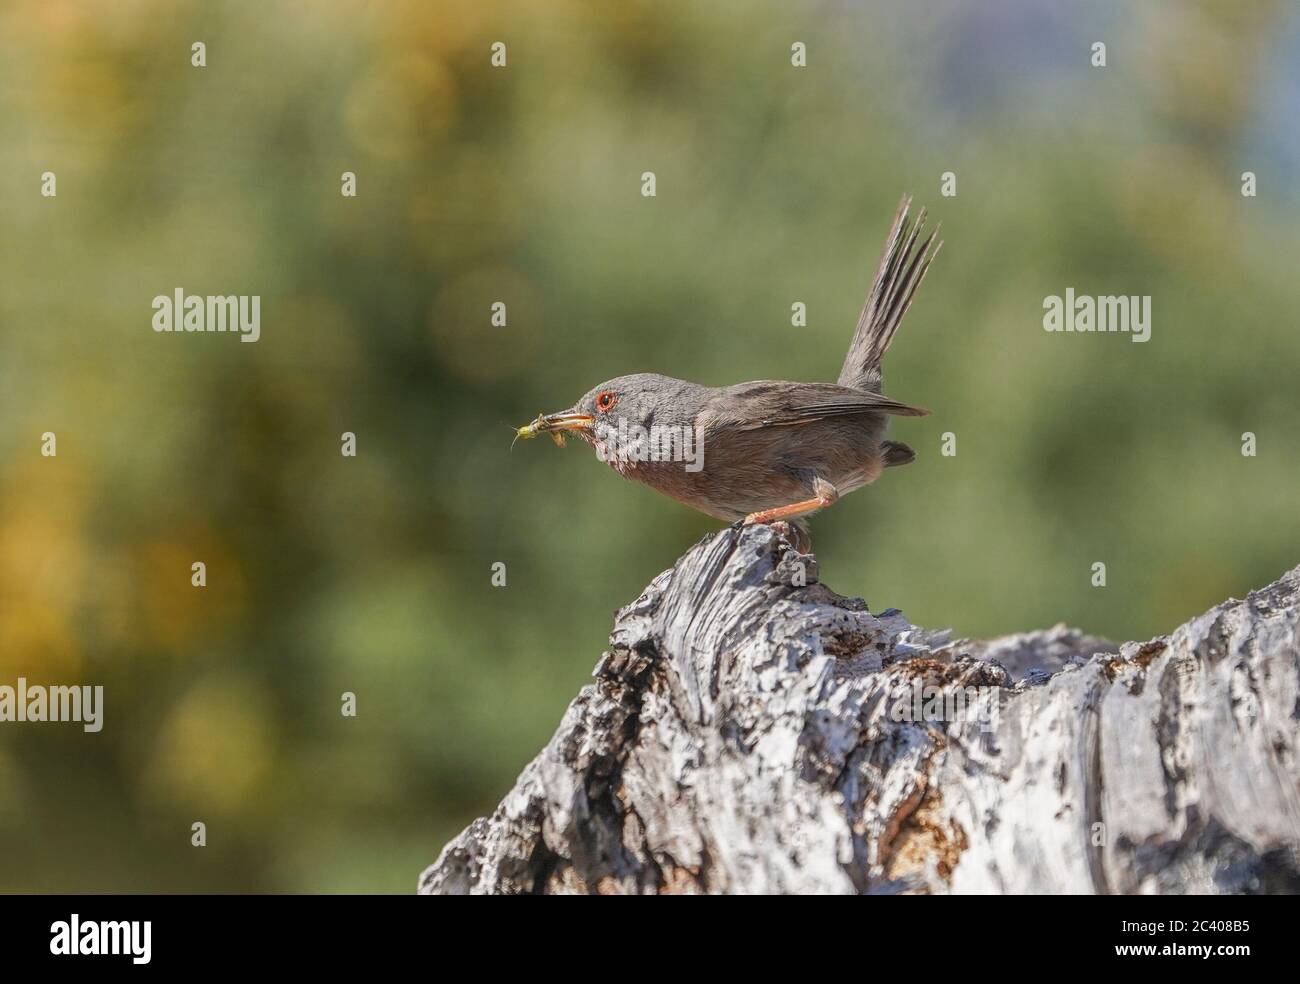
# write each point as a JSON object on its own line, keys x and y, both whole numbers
{"x": 605, "y": 401}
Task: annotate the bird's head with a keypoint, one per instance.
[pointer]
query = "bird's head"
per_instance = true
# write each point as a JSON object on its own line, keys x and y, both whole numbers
{"x": 625, "y": 401}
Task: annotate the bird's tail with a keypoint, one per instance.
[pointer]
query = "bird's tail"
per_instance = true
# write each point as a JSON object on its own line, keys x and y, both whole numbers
{"x": 903, "y": 265}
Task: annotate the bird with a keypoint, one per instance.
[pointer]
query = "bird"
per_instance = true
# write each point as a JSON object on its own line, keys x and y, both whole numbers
{"x": 766, "y": 451}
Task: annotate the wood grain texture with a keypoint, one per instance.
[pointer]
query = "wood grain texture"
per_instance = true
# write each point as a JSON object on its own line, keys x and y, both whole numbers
{"x": 748, "y": 733}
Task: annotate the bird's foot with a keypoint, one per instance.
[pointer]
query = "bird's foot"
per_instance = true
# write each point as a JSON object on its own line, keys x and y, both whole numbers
{"x": 793, "y": 534}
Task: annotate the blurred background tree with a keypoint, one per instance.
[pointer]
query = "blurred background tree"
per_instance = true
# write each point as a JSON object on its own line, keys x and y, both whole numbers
{"x": 522, "y": 185}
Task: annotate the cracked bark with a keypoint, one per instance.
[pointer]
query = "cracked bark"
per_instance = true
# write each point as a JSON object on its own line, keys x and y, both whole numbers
{"x": 749, "y": 730}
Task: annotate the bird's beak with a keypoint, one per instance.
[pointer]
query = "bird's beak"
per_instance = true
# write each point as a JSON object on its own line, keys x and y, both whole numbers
{"x": 556, "y": 424}
{"x": 566, "y": 421}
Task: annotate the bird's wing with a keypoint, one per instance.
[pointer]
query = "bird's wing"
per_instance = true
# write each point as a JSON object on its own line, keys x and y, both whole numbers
{"x": 779, "y": 404}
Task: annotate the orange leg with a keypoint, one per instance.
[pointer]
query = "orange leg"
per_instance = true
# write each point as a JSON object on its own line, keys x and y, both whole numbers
{"x": 826, "y": 494}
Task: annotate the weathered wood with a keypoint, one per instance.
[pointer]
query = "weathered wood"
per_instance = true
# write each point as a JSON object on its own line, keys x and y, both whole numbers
{"x": 749, "y": 733}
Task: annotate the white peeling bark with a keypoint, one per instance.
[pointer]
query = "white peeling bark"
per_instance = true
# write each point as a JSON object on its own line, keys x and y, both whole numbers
{"x": 747, "y": 733}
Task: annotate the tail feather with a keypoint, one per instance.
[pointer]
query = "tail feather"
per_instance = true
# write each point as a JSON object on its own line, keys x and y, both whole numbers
{"x": 902, "y": 267}
{"x": 896, "y": 453}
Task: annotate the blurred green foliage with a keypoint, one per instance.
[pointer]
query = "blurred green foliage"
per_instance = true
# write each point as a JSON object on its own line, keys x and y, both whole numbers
{"x": 775, "y": 184}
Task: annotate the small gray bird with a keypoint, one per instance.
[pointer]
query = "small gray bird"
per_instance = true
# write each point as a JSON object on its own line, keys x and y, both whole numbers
{"x": 766, "y": 451}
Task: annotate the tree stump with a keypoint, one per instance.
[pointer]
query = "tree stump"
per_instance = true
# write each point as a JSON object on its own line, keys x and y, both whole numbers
{"x": 751, "y": 731}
